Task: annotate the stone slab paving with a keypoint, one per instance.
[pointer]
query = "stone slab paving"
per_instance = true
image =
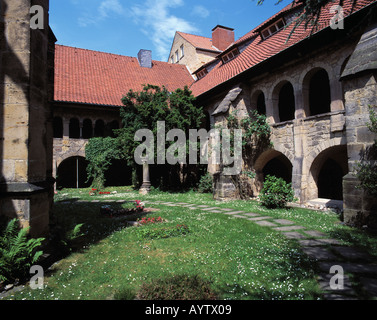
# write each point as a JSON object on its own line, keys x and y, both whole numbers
{"x": 233, "y": 212}
{"x": 251, "y": 214}
{"x": 215, "y": 211}
{"x": 265, "y": 223}
{"x": 239, "y": 216}
{"x": 294, "y": 235}
{"x": 318, "y": 253}
{"x": 289, "y": 228}
{"x": 319, "y": 242}
{"x": 352, "y": 253}
{"x": 259, "y": 218}
{"x": 211, "y": 208}
{"x": 284, "y": 222}
{"x": 316, "y": 234}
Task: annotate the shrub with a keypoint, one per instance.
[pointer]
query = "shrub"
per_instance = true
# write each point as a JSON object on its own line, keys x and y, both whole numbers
{"x": 206, "y": 183}
{"x": 17, "y": 252}
{"x": 180, "y": 287}
{"x": 276, "y": 193}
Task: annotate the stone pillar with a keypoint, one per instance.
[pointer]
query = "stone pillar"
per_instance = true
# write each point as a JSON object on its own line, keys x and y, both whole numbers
{"x": 360, "y": 86}
{"x": 146, "y": 186}
{"x": 26, "y": 184}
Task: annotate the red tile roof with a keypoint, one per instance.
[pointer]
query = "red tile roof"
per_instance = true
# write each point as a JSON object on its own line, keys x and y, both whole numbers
{"x": 260, "y": 50}
{"x": 199, "y": 41}
{"x": 93, "y": 77}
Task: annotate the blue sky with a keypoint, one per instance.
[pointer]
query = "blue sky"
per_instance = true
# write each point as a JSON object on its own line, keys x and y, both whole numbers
{"x": 126, "y": 26}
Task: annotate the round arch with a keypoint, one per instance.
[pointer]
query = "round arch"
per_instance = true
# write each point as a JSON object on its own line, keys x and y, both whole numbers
{"x": 258, "y": 101}
{"x": 283, "y": 98}
{"x": 71, "y": 173}
{"x": 326, "y": 173}
{"x": 272, "y": 162}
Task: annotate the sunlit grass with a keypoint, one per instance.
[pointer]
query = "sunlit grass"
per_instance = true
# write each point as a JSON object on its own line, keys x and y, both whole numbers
{"x": 241, "y": 259}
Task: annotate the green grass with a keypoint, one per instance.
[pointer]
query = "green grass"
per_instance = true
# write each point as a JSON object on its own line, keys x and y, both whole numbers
{"x": 240, "y": 259}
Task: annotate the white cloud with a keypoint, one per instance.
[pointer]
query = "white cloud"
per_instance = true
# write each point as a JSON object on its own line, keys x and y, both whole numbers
{"x": 103, "y": 11}
{"x": 200, "y": 12}
{"x": 159, "y": 24}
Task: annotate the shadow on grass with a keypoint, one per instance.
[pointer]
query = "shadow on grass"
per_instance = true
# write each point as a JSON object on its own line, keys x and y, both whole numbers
{"x": 95, "y": 226}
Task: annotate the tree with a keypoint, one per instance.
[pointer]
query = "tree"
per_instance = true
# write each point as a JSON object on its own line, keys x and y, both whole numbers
{"x": 100, "y": 152}
{"x": 142, "y": 110}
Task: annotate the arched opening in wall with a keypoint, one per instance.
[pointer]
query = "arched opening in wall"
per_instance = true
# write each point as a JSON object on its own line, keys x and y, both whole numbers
{"x": 58, "y": 127}
{"x": 74, "y": 128}
{"x": 99, "y": 128}
{"x": 119, "y": 174}
{"x": 286, "y": 102}
{"x": 71, "y": 173}
{"x": 113, "y": 125}
{"x": 271, "y": 162}
{"x": 87, "y": 129}
{"x": 279, "y": 167}
{"x": 319, "y": 93}
{"x": 258, "y": 102}
{"x": 327, "y": 171}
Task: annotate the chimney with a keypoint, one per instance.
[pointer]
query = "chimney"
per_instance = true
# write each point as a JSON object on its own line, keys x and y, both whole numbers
{"x": 145, "y": 58}
{"x": 222, "y": 37}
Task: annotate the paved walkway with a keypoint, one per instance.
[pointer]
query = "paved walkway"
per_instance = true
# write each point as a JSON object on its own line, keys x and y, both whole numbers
{"x": 360, "y": 269}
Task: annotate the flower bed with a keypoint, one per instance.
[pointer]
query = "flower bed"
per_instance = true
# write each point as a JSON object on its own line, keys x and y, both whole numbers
{"x": 107, "y": 210}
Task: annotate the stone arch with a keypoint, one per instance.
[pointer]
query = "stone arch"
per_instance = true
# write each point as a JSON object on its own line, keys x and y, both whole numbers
{"x": 284, "y": 104}
{"x": 258, "y": 101}
{"x": 87, "y": 129}
{"x": 71, "y": 173}
{"x": 316, "y": 92}
{"x": 58, "y": 127}
{"x": 327, "y": 171}
{"x": 275, "y": 163}
{"x": 74, "y": 128}
{"x": 99, "y": 128}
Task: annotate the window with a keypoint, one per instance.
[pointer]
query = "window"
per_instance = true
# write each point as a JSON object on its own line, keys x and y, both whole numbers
{"x": 182, "y": 51}
{"x": 87, "y": 129}
{"x": 74, "y": 129}
{"x": 172, "y": 59}
{"x": 286, "y": 103}
{"x": 176, "y": 56}
{"x": 269, "y": 31}
{"x": 58, "y": 127}
{"x": 230, "y": 55}
{"x": 202, "y": 73}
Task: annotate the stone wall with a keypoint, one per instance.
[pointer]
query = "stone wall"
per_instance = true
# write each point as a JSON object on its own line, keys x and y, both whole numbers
{"x": 25, "y": 116}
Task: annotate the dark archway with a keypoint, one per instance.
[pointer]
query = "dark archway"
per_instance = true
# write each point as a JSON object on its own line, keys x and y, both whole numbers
{"x": 286, "y": 102}
{"x": 87, "y": 129}
{"x": 72, "y": 173}
{"x": 279, "y": 167}
{"x": 74, "y": 129}
{"x": 319, "y": 93}
{"x": 58, "y": 127}
{"x": 99, "y": 129}
{"x": 261, "y": 104}
{"x": 330, "y": 181}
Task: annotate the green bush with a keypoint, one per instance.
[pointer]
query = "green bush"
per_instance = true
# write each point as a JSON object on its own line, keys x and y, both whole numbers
{"x": 206, "y": 183}
{"x": 181, "y": 287}
{"x": 276, "y": 193}
{"x": 17, "y": 252}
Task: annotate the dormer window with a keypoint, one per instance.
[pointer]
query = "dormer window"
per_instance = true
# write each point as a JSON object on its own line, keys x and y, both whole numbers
{"x": 201, "y": 73}
{"x": 272, "y": 29}
{"x": 230, "y": 55}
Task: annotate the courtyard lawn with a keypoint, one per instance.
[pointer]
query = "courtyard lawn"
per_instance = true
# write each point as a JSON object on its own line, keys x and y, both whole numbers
{"x": 236, "y": 257}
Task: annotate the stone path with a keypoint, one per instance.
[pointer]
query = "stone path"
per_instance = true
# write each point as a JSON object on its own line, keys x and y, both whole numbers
{"x": 360, "y": 269}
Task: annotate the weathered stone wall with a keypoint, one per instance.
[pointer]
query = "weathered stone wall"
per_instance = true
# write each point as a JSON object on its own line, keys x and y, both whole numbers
{"x": 25, "y": 116}
{"x": 307, "y": 140}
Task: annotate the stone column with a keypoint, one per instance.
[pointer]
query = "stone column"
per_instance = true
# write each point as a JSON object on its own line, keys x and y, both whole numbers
{"x": 146, "y": 186}
{"x": 360, "y": 85}
{"x": 26, "y": 185}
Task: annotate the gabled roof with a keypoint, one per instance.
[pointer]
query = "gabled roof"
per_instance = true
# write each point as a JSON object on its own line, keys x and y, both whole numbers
{"x": 199, "y": 42}
{"x": 260, "y": 50}
{"x": 99, "y": 78}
